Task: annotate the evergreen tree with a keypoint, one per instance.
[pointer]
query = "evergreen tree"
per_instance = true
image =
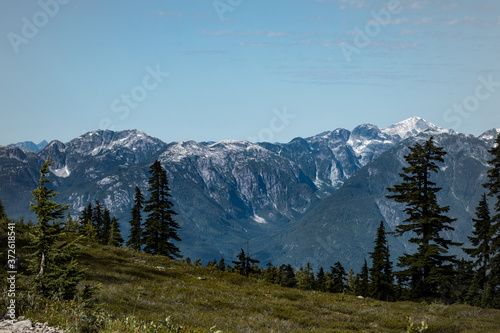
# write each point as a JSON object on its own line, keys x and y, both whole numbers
{"x": 321, "y": 280}
{"x": 337, "y": 277}
{"x": 106, "y": 227}
{"x": 491, "y": 293}
{"x": 305, "y": 278}
{"x": 71, "y": 225}
{"x": 160, "y": 228}
{"x": 362, "y": 287}
{"x": 458, "y": 290}
{"x": 481, "y": 250}
{"x": 135, "y": 240}
{"x": 430, "y": 266}
{"x": 270, "y": 273}
{"x": 88, "y": 231}
{"x": 351, "y": 282}
{"x": 482, "y": 235}
{"x": 98, "y": 219}
{"x": 245, "y": 265}
{"x": 288, "y": 276}
{"x": 221, "y": 265}
{"x": 240, "y": 265}
{"x": 52, "y": 263}
{"x": 381, "y": 280}
{"x": 85, "y": 218}
{"x": 115, "y": 236}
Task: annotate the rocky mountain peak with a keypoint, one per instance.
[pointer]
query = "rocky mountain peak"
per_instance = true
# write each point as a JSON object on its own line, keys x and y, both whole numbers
{"x": 103, "y": 141}
{"x": 409, "y": 127}
{"x": 490, "y": 136}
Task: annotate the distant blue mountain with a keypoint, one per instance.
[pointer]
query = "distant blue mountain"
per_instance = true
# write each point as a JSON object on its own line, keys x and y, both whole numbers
{"x": 30, "y": 146}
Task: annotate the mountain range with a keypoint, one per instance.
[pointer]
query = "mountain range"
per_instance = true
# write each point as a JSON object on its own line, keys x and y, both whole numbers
{"x": 317, "y": 199}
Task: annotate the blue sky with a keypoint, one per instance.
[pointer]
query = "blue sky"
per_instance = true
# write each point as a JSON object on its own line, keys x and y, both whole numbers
{"x": 241, "y": 69}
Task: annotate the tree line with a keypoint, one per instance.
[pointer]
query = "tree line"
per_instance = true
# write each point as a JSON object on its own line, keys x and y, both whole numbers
{"x": 431, "y": 272}
{"x": 428, "y": 274}
{"x": 154, "y": 235}
{"x": 52, "y": 264}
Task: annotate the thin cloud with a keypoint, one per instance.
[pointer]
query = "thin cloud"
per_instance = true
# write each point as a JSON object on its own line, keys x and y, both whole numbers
{"x": 450, "y": 6}
{"x": 470, "y": 20}
{"x": 418, "y": 5}
{"x": 276, "y": 34}
{"x": 399, "y": 20}
{"x": 350, "y": 3}
{"x": 258, "y": 44}
{"x": 406, "y": 32}
{"x": 270, "y": 34}
{"x": 170, "y": 14}
{"x": 452, "y": 22}
{"x": 423, "y": 21}
{"x": 201, "y": 52}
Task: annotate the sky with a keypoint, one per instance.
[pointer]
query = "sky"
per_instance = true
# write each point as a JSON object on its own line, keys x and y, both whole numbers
{"x": 260, "y": 70}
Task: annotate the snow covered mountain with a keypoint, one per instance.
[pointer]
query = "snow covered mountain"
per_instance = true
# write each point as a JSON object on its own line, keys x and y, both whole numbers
{"x": 412, "y": 127}
{"x": 226, "y": 193}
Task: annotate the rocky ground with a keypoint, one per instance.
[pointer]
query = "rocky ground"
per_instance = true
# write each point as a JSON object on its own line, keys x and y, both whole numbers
{"x": 25, "y": 325}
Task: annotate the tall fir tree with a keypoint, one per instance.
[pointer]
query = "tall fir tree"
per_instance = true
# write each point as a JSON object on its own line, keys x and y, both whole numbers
{"x": 362, "y": 287}
{"x": 52, "y": 263}
{"x": 106, "y": 226}
{"x": 271, "y": 274}
{"x": 240, "y": 265}
{"x": 288, "y": 276}
{"x": 320, "y": 280}
{"x": 381, "y": 279}
{"x": 491, "y": 293}
{"x": 160, "y": 228}
{"x": 351, "y": 281}
{"x": 221, "y": 265}
{"x": 482, "y": 237}
{"x": 481, "y": 242}
{"x": 337, "y": 278}
{"x": 135, "y": 237}
{"x": 115, "y": 236}
{"x": 245, "y": 265}
{"x": 431, "y": 266}
{"x": 305, "y": 277}
{"x": 70, "y": 225}
{"x": 85, "y": 228}
{"x": 98, "y": 219}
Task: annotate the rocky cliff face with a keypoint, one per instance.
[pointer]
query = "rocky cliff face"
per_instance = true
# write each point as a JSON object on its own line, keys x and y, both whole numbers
{"x": 226, "y": 193}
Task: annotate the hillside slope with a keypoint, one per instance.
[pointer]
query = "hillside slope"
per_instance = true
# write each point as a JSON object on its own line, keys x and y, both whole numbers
{"x": 152, "y": 288}
{"x": 343, "y": 227}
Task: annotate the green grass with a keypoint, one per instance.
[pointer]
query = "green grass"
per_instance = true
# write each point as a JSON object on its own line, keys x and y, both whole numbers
{"x": 133, "y": 284}
{"x": 139, "y": 291}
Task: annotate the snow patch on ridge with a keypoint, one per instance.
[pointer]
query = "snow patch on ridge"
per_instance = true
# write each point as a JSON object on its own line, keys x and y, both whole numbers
{"x": 259, "y": 219}
{"x": 62, "y": 172}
